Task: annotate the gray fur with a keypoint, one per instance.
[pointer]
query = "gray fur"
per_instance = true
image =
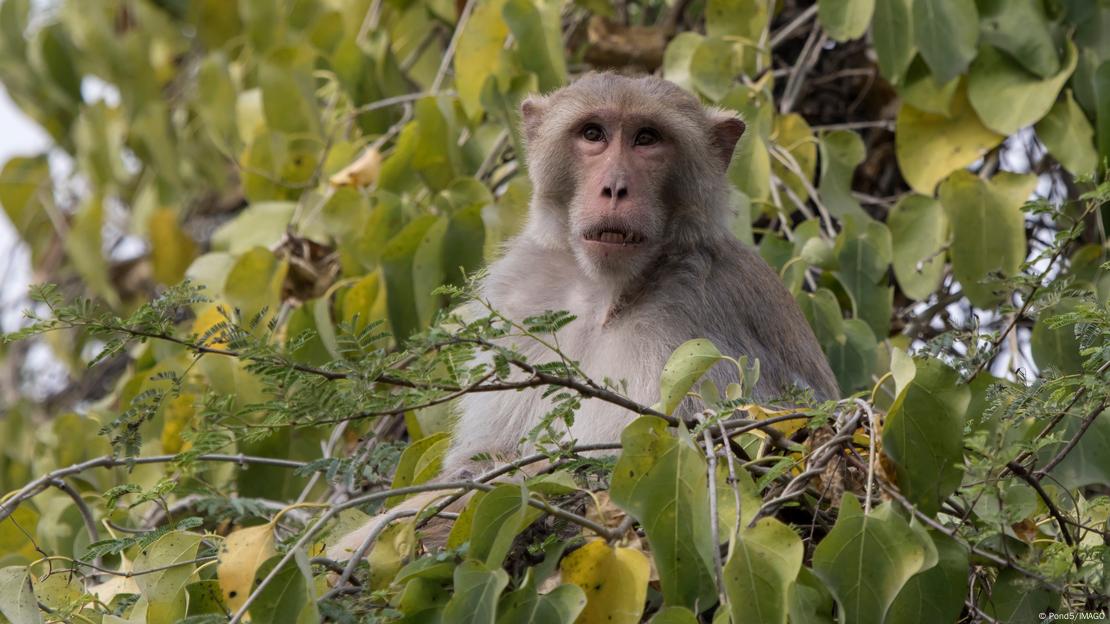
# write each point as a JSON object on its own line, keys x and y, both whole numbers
{"x": 695, "y": 281}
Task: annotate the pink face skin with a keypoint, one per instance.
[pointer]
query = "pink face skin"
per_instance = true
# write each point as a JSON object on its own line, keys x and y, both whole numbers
{"x": 618, "y": 214}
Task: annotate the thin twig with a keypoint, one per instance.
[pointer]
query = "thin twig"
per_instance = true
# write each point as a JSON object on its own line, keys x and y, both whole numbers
{"x": 925, "y": 518}
{"x": 714, "y": 519}
{"x": 1088, "y": 420}
{"x": 1030, "y": 297}
{"x": 449, "y": 53}
{"x": 364, "y": 547}
{"x": 398, "y": 99}
{"x": 873, "y": 431}
{"x": 32, "y": 489}
{"x": 1024, "y": 475}
{"x": 326, "y": 517}
{"x": 784, "y": 32}
{"x": 733, "y": 482}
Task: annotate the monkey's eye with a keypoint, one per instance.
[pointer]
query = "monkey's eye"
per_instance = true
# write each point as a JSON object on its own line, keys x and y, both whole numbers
{"x": 593, "y": 133}
{"x": 647, "y": 136}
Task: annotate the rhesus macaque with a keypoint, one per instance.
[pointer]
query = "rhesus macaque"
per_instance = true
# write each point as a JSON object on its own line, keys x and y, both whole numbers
{"x": 627, "y": 230}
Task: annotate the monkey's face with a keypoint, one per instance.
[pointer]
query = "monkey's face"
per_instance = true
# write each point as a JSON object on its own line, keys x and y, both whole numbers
{"x": 617, "y": 214}
{"x": 622, "y": 168}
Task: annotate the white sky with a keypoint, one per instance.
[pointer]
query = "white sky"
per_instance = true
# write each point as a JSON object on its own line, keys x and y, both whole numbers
{"x": 19, "y": 136}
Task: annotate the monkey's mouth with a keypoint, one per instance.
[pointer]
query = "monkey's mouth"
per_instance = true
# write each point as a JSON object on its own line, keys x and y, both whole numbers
{"x": 610, "y": 235}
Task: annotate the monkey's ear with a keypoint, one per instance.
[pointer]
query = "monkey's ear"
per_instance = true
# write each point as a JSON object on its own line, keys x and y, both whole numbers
{"x": 727, "y": 130}
{"x": 531, "y": 114}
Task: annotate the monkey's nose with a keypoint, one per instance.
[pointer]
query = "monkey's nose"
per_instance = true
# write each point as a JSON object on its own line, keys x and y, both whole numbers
{"x": 621, "y": 191}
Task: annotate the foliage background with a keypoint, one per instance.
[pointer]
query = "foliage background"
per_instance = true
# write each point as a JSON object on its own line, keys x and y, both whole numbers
{"x": 925, "y": 175}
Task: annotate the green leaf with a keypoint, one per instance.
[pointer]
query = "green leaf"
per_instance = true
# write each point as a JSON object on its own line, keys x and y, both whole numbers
{"x": 476, "y": 592}
{"x": 750, "y": 170}
{"x": 931, "y": 146}
{"x": 216, "y": 99}
{"x": 687, "y": 364}
{"x": 921, "y": 90}
{"x": 216, "y": 21}
{"x": 464, "y": 244}
{"x": 420, "y": 461}
{"x": 436, "y": 153}
{"x": 24, "y": 192}
{"x": 1102, "y": 97}
{"x": 988, "y": 229}
{"x": 841, "y": 152}
{"x": 745, "y": 19}
{"x": 792, "y": 133}
{"x": 1068, "y": 135}
{"x": 558, "y": 606}
{"x": 205, "y": 598}
{"x": 264, "y": 22}
{"x": 59, "y": 591}
{"x": 823, "y": 314}
{"x": 937, "y": 594}
{"x": 760, "y": 572}
{"x": 1057, "y": 347}
{"x": 810, "y": 600}
{"x": 919, "y": 233}
{"x": 83, "y": 245}
{"x": 17, "y": 596}
{"x": 13, "y": 533}
{"x": 845, "y": 19}
{"x": 1006, "y": 96}
{"x": 254, "y": 282}
{"x": 678, "y": 57}
{"x": 866, "y": 560}
{"x": 713, "y": 66}
{"x": 863, "y": 258}
{"x": 481, "y": 40}
{"x": 924, "y": 434}
{"x": 290, "y": 598}
{"x": 853, "y": 356}
{"x": 1021, "y": 28}
{"x": 674, "y": 615}
{"x": 1013, "y": 599}
{"x": 165, "y": 588}
{"x": 499, "y": 517}
{"x": 1087, "y": 463}
{"x": 427, "y": 271}
{"x": 947, "y": 34}
{"x": 660, "y": 479}
{"x": 288, "y": 101}
{"x": 261, "y": 224}
{"x": 394, "y": 545}
{"x": 397, "y": 265}
{"x": 539, "y": 41}
{"x": 892, "y": 35}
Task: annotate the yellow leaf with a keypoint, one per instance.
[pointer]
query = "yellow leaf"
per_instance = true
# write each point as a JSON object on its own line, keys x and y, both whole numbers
{"x": 206, "y": 319}
{"x": 476, "y": 54}
{"x": 116, "y": 585}
{"x": 362, "y": 172}
{"x": 393, "y": 547}
{"x": 787, "y": 427}
{"x": 615, "y": 581}
{"x": 929, "y": 146}
{"x": 366, "y": 298}
{"x": 171, "y": 249}
{"x": 793, "y": 134}
{"x": 176, "y": 415}
{"x": 242, "y": 553}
